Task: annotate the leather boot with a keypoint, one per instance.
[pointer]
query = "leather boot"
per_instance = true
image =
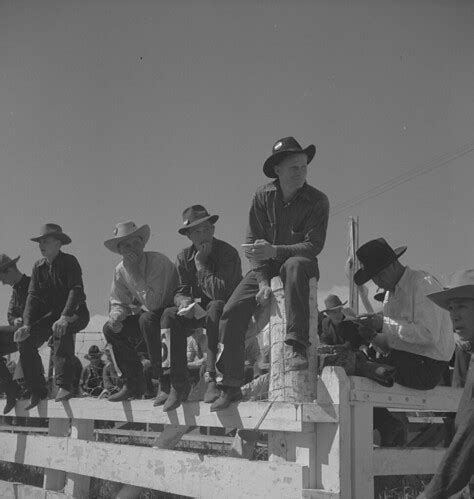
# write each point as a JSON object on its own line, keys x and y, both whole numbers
{"x": 212, "y": 392}
{"x": 36, "y": 397}
{"x": 163, "y": 391}
{"x": 63, "y": 395}
{"x": 12, "y": 392}
{"x": 176, "y": 396}
{"x": 228, "y": 395}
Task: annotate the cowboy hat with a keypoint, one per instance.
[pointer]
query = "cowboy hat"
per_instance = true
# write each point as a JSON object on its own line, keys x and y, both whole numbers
{"x": 6, "y": 262}
{"x": 94, "y": 353}
{"x": 195, "y": 215}
{"x": 124, "y": 230}
{"x": 284, "y": 147}
{"x": 374, "y": 256}
{"x": 53, "y": 230}
{"x": 333, "y": 302}
{"x": 461, "y": 286}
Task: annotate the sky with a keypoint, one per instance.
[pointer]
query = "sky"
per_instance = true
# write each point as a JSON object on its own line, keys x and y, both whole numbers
{"x": 114, "y": 110}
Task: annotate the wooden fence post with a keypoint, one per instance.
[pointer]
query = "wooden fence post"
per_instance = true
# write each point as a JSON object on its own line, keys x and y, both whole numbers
{"x": 362, "y": 452}
{"x": 56, "y": 479}
{"x": 78, "y": 485}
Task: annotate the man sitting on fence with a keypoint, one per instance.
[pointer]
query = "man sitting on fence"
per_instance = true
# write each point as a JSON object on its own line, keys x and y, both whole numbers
{"x": 56, "y": 305}
{"x": 11, "y": 276}
{"x": 415, "y": 334}
{"x": 457, "y": 466}
{"x": 286, "y": 232}
{"x": 209, "y": 271}
{"x": 145, "y": 277}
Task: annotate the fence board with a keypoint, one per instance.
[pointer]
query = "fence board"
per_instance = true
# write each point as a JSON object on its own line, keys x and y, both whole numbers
{"x": 393, "y": 461}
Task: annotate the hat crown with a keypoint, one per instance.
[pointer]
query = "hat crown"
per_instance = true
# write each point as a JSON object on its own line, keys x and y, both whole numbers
{"x": 375, "y": 253}
{"x": 124, "y": 228}
{"x": 194, "y": 213}
{"x": 286, "y": 144}
{"x": 93, "y": 350}
{"x": 332, "y": 301}
{"x": 462, "y": 278}
{"x": 51, "y": 229}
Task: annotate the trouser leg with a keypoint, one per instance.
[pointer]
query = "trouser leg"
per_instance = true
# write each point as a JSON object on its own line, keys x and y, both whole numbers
{"x": 214, "y": 312}
{"x": 295, "y": 274}
{"x": 150, "y": 326}
{"x": 232, "y": 328}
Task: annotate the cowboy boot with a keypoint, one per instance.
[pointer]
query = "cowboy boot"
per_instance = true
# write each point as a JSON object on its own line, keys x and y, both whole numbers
{"x": 228, "y": 395}
{"x": 132, "y": 389}
{"x": 176, "y": 396}
{"x": 212, "y": 392}
{"x": 12, "y": 392}
{"x": 163, "y": 391}
{"x": 298, "y": 359}
{"x": 36, "y": 397}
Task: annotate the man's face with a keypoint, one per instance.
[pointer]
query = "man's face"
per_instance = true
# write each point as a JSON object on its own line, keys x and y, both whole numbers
{"x": 49, "y": 246}
{"x": 461, "y": 311}
{"x": 6, "y": 277}
{"x": 202, "y": 233}
{"x": 292, "y": 170}
{"x": 386, "y": 278}
{"x": 336, "y": 316}
{"x": 132, "y": 245}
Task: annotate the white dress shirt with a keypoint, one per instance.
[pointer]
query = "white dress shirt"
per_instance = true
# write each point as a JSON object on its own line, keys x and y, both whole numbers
{"x": 412, "y": 322}
{"x": 154, "y": 291}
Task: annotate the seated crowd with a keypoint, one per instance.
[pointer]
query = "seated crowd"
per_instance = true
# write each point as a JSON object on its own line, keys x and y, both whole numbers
{"x": 410, "y": 342}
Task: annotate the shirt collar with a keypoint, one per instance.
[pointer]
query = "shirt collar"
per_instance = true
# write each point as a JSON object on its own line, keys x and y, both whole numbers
{"x": 303, "y": 191}
{"x": 44, "y": 261}
{"x": 404, "y": 282}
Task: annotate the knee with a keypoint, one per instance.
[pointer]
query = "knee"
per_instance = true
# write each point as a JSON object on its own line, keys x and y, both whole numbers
{"x": 169, "y": 317}
{"x": 147, "y": 318}
{"x": 293, "y": 266}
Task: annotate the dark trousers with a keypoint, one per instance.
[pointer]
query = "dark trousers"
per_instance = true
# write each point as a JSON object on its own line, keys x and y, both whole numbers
{"x": 142, "y": 326}
{"x": 457, "y": 466}
{"x": 295, "y": 274}
{"x": 63, "y": 353}
{"x": 181, "y": 327}
{"x": 7, "y": 345}
{"x": 414, "y": 371}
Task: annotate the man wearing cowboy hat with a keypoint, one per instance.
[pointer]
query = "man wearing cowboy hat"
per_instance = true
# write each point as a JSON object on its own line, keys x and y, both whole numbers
{"x": 209, "y": 271}
{"x": 414, "y": 333}
{"x": 56, "y": 305}
{"x": 92, "y": 374}
{"x": 146, "y": 278}
{"x": 457, "y": 466}
{"x": 11, "y": 276}
{"x": 286, "y": 232}
{"x": 335, "y": 315}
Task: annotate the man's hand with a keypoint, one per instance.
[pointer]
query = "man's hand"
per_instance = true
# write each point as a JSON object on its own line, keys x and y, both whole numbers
{"x": 131, "y": 264}
{"x": 116, "y": 326}
{"x": 21, "y": 334}
{"x": 262, "y": 250}
{"x": 185, "y": 302}
{"x": 18, "y": 322}
{"x": 60, "y": 326}
{"x": 462, "y": 344}
{"x": 263, "y": 295}
{"x": 202, "y": 254}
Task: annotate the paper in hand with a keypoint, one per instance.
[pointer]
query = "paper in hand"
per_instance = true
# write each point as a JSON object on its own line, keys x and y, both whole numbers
{"x": 198, "y": 311}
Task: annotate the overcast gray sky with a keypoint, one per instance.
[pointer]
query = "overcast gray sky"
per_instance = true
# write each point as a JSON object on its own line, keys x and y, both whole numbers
{"x": 115, "y": 110}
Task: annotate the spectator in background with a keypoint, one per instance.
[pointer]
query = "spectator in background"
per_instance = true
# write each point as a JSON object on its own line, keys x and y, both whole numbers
{"x": 11, "y": 276}
{"x": 335, "y": 315}
{"x": 92, "y": 374}
{"x": 111, "y": 380}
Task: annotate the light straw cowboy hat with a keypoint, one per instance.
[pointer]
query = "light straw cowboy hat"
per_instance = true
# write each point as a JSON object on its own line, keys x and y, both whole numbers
{"x": 124, "y": 230}
{"x": 53, "y": 230}
{"x": 461, "y": 286}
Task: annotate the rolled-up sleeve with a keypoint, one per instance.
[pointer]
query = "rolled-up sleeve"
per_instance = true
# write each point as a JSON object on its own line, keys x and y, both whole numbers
{"x": 75, "y": 285}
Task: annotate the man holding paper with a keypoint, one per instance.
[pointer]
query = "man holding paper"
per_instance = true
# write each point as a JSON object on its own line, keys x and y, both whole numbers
{"x": 209, "y": 270}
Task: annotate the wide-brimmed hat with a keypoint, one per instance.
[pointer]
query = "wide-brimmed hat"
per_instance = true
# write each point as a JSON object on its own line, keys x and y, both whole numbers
{"x": 284, "y": 147}
{"x": 53, "y": 230}
{"x": 6, "y": 262}
{"x": 195, "y": 215}
{"x": 374, "y": 256}
{"x": 94, "y": 353}
{"x": 461, "y": 286}
{"x": 333, "y": 302}
{"x": 124, "y": 230}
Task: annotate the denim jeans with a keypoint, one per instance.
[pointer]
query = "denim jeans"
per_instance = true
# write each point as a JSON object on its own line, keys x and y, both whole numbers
{"x": 295, "y": 274}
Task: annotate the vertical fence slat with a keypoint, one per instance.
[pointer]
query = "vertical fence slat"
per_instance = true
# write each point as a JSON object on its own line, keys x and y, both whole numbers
{"x": 78, "y": 485}
{"x": 56, "y": 479}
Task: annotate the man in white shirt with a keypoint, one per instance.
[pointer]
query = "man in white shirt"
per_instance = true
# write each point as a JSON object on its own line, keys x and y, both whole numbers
{"x": 415, "y": 334}
{"x": 147, "y": 279}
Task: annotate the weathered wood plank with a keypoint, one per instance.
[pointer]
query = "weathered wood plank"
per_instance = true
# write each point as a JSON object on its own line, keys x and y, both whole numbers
{"x": 55, "y": 479}
{"x": 166, "y": 470}
{"x": 393, "y": 461}
{"x": 319, "y": 494}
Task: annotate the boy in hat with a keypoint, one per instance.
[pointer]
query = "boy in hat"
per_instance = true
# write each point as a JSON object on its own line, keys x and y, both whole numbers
{"x": 286, "y": 232}
{"x": 457, "y": 466}
{"x": 209, "y": 271}
{"x": 11, "y": 276}
{"x": 148, "y": 278}
{"x": 335, "y": 315}
{"x": 415, "y": 334}
{"x": 92, "y": 374}
{"x": 56, "y": 305}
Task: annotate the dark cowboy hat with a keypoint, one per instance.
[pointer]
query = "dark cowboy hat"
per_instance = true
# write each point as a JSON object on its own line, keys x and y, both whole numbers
{"x": 94, "y": 353}
{"x": 333, "y": 302}
{"x": 6, "y": 262}
{"x": 282, "y": 148}
{"x": 461, "y": 286}
{"x": 124, "y": 230}
{"x": 195, "y": 215}
{"x": 374, "y": 256}
{"x": 53, "y": 230}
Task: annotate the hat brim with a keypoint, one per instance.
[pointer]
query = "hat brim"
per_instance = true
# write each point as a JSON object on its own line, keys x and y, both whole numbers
{"x": 362, "y": 275}
{"x": 268, "y": 166}
{"x": 60, "y": 236}
{"x": 442, "y": 298}
{"x": 143, "y": 232}
{"x": 212, "y": 218}
{"x": 5, "y": 266}
{"x": 334, "y": 308}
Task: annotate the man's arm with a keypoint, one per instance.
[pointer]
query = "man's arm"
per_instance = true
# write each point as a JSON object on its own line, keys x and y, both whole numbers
{"x": 13, "y": 310}
{"x": 76, "y": 287}
{"x": 120, "y": 299}
{"x": 33, "y": 300}
{"x": 183, "y": 295}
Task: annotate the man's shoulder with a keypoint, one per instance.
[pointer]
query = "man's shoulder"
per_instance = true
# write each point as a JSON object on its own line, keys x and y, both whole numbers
{"x": 422, "y": 279}
{"x": 266, "y": 188}
{"x": 185, "y": 254}
{"x": 313, "y": 194}
{"x": 67, "y": 258}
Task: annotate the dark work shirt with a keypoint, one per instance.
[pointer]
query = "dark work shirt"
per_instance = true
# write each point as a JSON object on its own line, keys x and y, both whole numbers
{"x": 296, "y": 228}
{"x": 216, "y": 281}
{"x": 18, "y": 299}
{"x": 55, "y": 289}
